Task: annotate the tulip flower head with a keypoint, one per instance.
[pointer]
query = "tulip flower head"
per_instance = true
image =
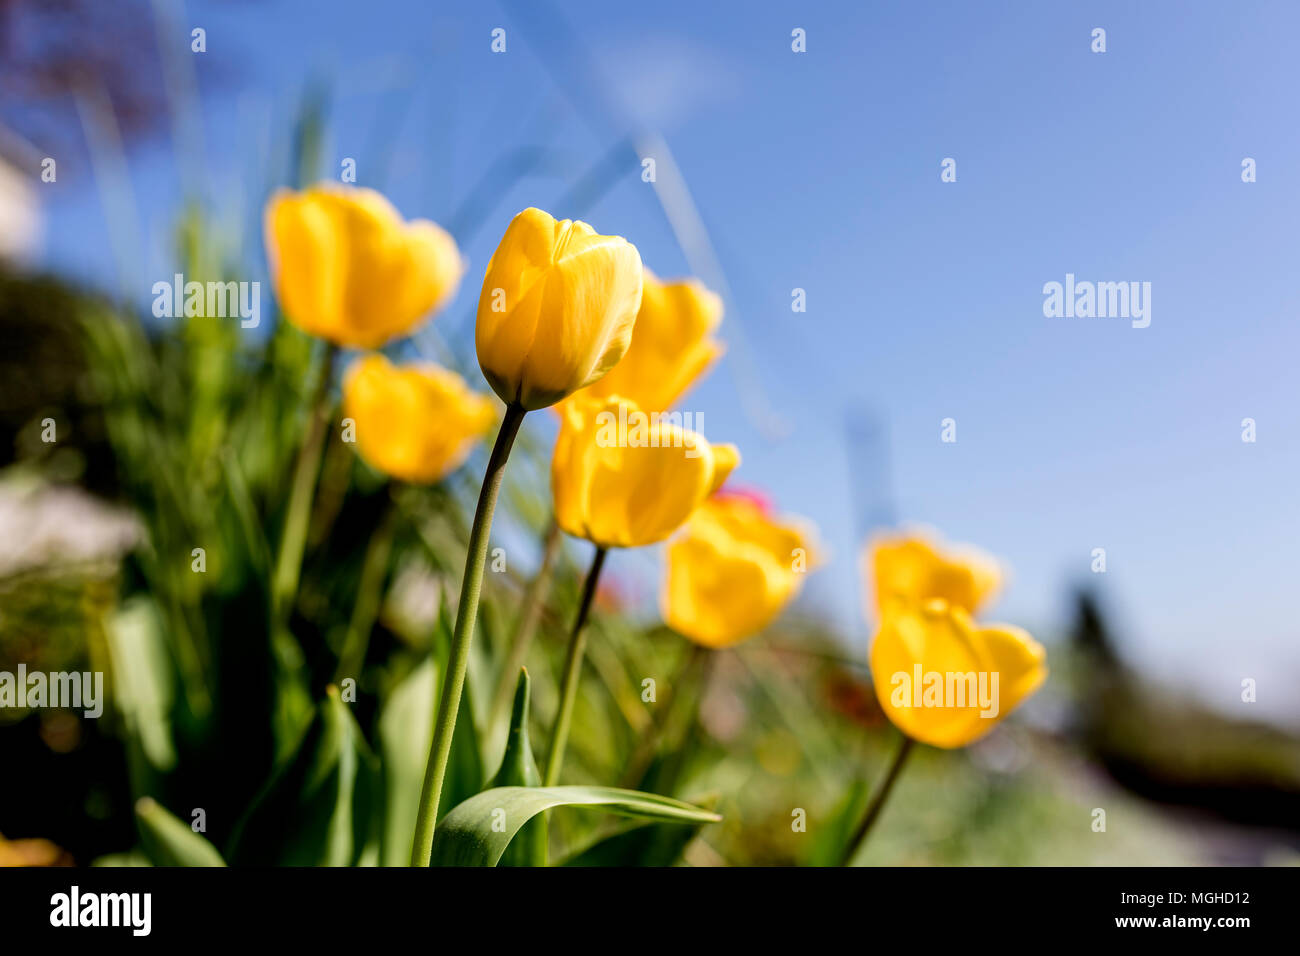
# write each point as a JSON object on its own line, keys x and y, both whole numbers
{"x": 944, "y": 680}
{"x": 557, "y": 308}
{"x": 910, "y": 568}
{"x": 672, "y": 345}
{"x": 624, "y": 488}
{"x": 348, "y": 269}
{"x": 415, "y": 423}
{"x": 733, "y": 570}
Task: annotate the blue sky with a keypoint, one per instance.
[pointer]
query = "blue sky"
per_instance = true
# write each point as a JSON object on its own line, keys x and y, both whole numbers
{"x": 821, "y": 171}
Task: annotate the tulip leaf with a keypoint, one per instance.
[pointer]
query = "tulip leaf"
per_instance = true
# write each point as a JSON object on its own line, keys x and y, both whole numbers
{"x": 477, "y": 832}
{"x": 170, "y": 842}
{"x": 317, "y": 809}
{"x": 642, "y": 844}
{"x": 519, "y": 769}
{"x": 405, "y": 729}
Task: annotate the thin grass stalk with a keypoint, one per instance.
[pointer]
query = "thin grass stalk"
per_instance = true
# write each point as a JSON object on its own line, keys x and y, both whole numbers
{"x": 572, "y": 671}
{"x": 293, "y": 542}
{"x": 374, "y": 568}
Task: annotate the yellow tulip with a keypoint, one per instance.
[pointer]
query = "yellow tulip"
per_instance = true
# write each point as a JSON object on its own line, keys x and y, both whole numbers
{"x": 910, "y": 568}
{"x": 622, "y": 478}
{"x": 347, "y": 268}
{"x": 945, "y": 681}
{"x": 732, "y": 571}
{"x": 672, "y": 345}
{"x": 416, "y": 423}
{"x": 32, "y": 852}
{"x": 557, "y": 308}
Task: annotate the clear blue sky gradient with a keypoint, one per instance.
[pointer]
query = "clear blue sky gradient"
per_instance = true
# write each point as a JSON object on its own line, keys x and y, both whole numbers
{"x": 924, "y": 300}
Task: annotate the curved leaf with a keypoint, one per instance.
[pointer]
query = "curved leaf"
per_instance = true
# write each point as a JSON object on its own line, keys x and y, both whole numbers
{"x": 642, "y": 844}
{"x": 169, "y": 841}
{"x": 477, "y": 832}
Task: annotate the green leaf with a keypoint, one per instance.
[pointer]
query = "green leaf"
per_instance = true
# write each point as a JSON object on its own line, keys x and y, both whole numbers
{"x": 519, "y": 769}
{"x": 318, "y": 808}
{"x": 143, "y": 684}
{"x": 832, "y": 838}
{"x": 641, "y": 844}
{"x": 405, "y": 729}
{"x": 477, "y": 832}
{"x": 170, "y": 842}
{"x": 116, "y": 860}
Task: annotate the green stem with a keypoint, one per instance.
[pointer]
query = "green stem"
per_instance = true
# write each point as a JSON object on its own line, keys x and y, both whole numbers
{"x": 369, "y": 593}
{"x": 877, "y": 801}
{"x": 288, "y": 565}
{"x": 572, "y": 670}
{"x": 453, "y": 680}
{"x": 525, "y": 627}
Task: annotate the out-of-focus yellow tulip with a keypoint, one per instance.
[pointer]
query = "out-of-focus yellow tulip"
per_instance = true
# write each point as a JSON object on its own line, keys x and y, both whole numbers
{"x": 672, "y": 345}
{"x": 732, "y": 570}
{"x": 417, "y": 422}
{"x": 32, "y": 852}
{"x": 557, "y": 308}
{"x": 348, "y": 269}
{"x": 910, "y": 568}
{"x": 623, "y": 478}
{"x": 945, "y": 681}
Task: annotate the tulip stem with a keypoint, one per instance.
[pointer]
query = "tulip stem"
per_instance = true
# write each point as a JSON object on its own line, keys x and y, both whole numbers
{"x": 572, "y": 670}
{"x": 530, "y": 614}
{"x": 293, "y": 541}
{"x": 453, "y": 680}
{"x": 877, "y": 801}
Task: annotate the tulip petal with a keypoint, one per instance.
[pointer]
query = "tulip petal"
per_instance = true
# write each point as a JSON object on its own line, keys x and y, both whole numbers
{"x": 589, "y": 309}
{"x": 718, "y": 599}
{"x": 557, "y": 309}
{"x": 670, "y": 345}
{"x": 1021, "y": 662}
{"x": 935, "y": 638}
{"x": 307, "y": 262}
{"x": 911, "y": 569}
{"x": 346, "y": 267}
{"x": 731, "y": 572}
{"x": 726, "y": 459}
{"x": 416, "y": 423}
{"x": 622, "y": 478}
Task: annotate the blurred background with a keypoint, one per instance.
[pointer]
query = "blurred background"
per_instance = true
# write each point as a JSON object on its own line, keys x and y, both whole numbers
{"x": 775, "y": 171}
